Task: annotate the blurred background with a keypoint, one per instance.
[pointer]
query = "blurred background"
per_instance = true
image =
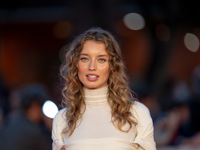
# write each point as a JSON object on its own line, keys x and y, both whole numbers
{"x": 159, "y": 42}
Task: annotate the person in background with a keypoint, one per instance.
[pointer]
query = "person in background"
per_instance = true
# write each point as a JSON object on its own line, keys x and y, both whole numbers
{"x": 21, "y": 131}
{"x": 99, "y": 111}
{"x": 4, "y": 104}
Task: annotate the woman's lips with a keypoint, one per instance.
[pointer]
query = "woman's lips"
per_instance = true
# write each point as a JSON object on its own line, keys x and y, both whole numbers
{"x": 92, "y": 77}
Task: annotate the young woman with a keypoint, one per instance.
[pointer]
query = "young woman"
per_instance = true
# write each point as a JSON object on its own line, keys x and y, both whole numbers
{"x": 99, "y": 111}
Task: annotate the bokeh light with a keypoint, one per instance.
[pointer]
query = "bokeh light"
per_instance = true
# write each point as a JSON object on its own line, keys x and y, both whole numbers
{"x": 49, "y": 109}
{"x": 191, "y": 42}
{"x": 134, "y": 21}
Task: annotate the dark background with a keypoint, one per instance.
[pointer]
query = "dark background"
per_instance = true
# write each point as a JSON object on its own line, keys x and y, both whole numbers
{"x": 33, "y": 35}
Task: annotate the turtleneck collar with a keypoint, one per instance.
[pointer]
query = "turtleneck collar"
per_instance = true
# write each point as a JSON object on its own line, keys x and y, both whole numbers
{"x": 96, "y": 96}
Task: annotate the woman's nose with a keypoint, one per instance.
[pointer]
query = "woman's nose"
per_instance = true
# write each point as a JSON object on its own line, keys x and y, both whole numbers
{"x": 92, "y": 65}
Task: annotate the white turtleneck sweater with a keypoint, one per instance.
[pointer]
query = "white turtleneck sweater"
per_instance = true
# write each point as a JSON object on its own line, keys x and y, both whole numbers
{"x": 96, "y": 132}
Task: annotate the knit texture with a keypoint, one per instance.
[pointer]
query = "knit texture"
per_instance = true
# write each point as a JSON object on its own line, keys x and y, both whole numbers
{"x": 96, "y": 121}
{"x": 96, "y": 126}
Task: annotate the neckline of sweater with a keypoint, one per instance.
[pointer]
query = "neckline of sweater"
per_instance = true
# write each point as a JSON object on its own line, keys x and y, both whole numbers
{"x": 96, "y": 95}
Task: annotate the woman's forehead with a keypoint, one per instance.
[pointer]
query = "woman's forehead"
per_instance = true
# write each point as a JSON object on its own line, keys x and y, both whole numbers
{"x": 93, "y": 47}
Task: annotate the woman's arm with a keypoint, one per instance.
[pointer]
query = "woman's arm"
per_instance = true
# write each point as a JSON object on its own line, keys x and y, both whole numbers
{"x": 145, "y": 130}
{"x": 58, "y": 125}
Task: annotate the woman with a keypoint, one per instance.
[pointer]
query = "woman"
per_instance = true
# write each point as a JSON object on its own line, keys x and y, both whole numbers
{"x": 99, "y": 111}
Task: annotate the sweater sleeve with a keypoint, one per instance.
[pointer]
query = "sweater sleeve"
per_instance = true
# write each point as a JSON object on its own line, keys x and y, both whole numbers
{"x": 58, "y": 125}
{"x": 145, "y": 131}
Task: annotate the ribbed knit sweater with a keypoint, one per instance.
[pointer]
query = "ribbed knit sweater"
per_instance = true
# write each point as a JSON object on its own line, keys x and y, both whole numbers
{"x": 96, "y": 131}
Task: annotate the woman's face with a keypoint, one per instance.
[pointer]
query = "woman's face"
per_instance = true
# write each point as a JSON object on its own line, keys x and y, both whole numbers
{"x": 93, "y": 65}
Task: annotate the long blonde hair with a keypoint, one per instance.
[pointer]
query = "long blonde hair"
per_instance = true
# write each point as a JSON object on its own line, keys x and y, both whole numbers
{"x": 120, "y": 98}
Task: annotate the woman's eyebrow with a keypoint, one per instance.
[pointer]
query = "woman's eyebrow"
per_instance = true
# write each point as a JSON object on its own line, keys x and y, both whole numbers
{"x": 104, "y": 55}
{"x": 84, "y": 54}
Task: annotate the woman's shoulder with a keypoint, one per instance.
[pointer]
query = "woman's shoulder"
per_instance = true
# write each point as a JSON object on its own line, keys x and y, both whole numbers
{"x": 138, "y": 106}
{"x": 60, "y": 115}
{"x": 140, "y": 111}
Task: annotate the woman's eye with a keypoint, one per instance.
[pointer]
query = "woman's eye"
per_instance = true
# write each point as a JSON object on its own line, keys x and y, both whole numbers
{"x": 84, "y": 59}
{"x": 102, "y": 60}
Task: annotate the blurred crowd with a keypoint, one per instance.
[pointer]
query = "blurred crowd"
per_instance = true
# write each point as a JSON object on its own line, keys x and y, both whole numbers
{"x": 175, "y": 112}
{"x": 23, "y": 126}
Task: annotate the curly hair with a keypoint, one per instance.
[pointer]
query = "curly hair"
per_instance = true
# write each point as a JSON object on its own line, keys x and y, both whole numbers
{"x": 120, "y": 97}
